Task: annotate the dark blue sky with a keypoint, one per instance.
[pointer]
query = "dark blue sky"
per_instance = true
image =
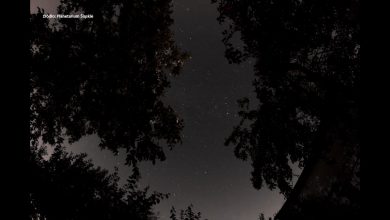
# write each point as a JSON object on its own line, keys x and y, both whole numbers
{"x": 201, "y": 171}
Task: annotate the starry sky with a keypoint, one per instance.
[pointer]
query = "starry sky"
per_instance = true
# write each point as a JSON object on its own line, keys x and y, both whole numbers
{"x": 201, "y": 171}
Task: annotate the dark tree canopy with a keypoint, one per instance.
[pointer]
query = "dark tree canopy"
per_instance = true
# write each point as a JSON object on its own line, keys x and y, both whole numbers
{"x": 105, "y": 76}
{"x": 307, "y": 67}
{"x": 68, "y": 186}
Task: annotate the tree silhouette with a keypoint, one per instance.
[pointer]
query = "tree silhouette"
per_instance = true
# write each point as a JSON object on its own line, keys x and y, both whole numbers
{"x": 68, "y": 186}
{"x": 261, "y": 217}
{"x": 173, "y": 214}
{"x": 187, "y": 214}
{"x": 307, "y": 67}
{"x": 105, "y": 76}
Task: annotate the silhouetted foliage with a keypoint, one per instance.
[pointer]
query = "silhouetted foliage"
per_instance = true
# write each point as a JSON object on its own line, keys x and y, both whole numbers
{"x": 187, "y": 214}
{"x": 261, "y": 217}
{"x": 68, "y": 186}
{"x": 105, "y": 76}
{"x": 307, "y": 67}
{"x": 173, "y": 214}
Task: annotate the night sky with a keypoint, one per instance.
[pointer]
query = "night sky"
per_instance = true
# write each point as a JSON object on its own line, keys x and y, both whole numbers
{"x": 201, "y": 171}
